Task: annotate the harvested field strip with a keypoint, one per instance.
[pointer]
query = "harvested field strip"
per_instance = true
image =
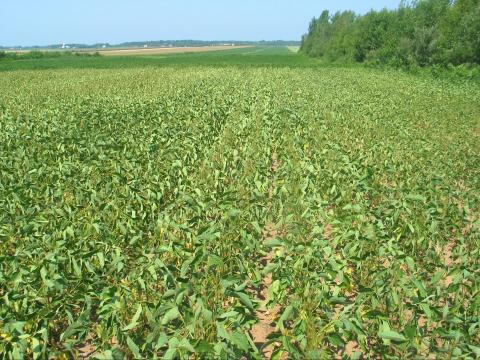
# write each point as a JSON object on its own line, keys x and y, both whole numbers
{"x": 173, "y": 50}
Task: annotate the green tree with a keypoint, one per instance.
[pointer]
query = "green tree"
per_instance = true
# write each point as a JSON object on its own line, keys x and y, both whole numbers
{"x": 420, "y": 32}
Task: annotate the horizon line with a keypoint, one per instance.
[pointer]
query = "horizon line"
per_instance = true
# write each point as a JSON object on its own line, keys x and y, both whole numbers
{"x": 143, "y": 41}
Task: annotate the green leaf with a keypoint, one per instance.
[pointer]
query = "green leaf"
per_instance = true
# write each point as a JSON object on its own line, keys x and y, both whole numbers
{"x": 101, "y": 259}
{"x": 287, "y": 314}
{"x": 104, "y": 355}
{"x": 416, "y": 197}
{"x": 228, "y": 314}
{"x": 410, "y": 262}
{"x": 135, "y": 318}
{"x": 257, "y": 227}
{"x": 36, "y": 348}
{"x": 392, "y": 335}
{"x": 240, "y": 340}
{"x": 170, "y": 315}
{"x": 214, "y": 260}
{"x": 221, "y": 331}
{"x": 203, "y": 347}
{"x": 185, "y": 345}
{"x": 162, "y": 340}
{"x": 244, "y": 299}
{"x": 133, "y": 348}
{"x": 170, "y": 354}
{"x": 273, "y": 243}
{"x": 117, "y": 354}
{"x": 475, "y": 350}
{"x": 336, "y": 340}
{"x": 76, "y": 268}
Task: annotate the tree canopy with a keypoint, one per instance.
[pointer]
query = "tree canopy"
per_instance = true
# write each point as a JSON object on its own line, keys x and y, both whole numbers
{"x": 423, "y": 32}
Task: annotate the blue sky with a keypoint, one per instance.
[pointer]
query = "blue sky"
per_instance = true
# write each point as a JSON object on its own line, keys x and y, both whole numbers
{"x": 43, "y": 22}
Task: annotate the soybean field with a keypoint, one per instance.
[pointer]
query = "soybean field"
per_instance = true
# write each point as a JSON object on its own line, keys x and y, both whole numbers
{"x": 175, "y": 208}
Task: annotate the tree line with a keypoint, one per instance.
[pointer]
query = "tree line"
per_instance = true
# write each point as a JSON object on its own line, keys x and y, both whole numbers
{"x": 421, "y": 33}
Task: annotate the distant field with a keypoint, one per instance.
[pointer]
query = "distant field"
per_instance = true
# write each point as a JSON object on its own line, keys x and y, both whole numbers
{"x": 258, "y": 56}
{"x": 162, "y": 51}
{"x": 244, "y": 203}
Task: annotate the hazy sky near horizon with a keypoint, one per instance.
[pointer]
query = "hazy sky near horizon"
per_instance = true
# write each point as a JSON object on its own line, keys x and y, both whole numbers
{"x": 34, "y": 22}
